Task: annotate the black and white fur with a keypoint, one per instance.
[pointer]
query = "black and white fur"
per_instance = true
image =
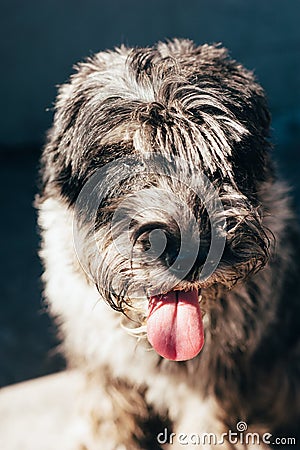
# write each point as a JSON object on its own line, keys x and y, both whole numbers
{"x": 174, "y": 99}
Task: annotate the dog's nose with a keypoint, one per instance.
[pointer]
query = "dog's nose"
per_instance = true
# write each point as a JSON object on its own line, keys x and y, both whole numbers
{"x": 153, "y": 238}
{"x": 185, "y": 259}
{"x": 158, "y": 242}
{"x": 163, "y": 245}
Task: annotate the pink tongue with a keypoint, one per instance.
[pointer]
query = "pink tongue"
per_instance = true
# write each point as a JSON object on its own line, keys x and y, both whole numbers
{"x": 174, "y": 325}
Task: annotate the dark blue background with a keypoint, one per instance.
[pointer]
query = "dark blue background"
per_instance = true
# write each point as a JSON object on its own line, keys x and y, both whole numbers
{"x": 39, "y": 43}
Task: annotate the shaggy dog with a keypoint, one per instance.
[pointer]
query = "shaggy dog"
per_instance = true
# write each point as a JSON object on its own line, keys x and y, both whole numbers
{"x": 170, "y": 252}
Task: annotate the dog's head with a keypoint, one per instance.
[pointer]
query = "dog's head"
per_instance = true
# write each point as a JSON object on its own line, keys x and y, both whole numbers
{"x": 162, "y": 152}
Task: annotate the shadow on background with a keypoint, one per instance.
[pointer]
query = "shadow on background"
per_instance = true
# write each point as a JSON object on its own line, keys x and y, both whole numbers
{"x": 40, "y": 42}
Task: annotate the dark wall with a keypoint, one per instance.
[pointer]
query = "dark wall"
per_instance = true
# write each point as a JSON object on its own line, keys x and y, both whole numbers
{"x": 41, "y": 40}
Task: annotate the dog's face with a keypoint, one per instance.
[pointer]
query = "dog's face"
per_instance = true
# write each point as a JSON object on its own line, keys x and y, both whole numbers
{"x": 162, "y": 153}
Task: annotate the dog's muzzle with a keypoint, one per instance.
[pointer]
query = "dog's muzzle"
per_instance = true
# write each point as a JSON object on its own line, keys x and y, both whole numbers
{"x": 174, "y": 324}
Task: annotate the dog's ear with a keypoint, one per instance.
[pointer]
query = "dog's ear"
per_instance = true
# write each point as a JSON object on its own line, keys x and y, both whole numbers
{"x": 262, "y": 113}
{"x": 255, "y": 105}
{"x": 75, "y": 128}
{"x": 211, "y": 65}
{"x": 89, "y": 78}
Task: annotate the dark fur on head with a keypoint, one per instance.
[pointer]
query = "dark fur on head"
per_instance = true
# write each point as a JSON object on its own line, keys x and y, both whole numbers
{"x": 181, "y": 101}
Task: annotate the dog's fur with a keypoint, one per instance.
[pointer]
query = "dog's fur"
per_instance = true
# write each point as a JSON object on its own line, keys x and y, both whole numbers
{"x": 197, "y": 104}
